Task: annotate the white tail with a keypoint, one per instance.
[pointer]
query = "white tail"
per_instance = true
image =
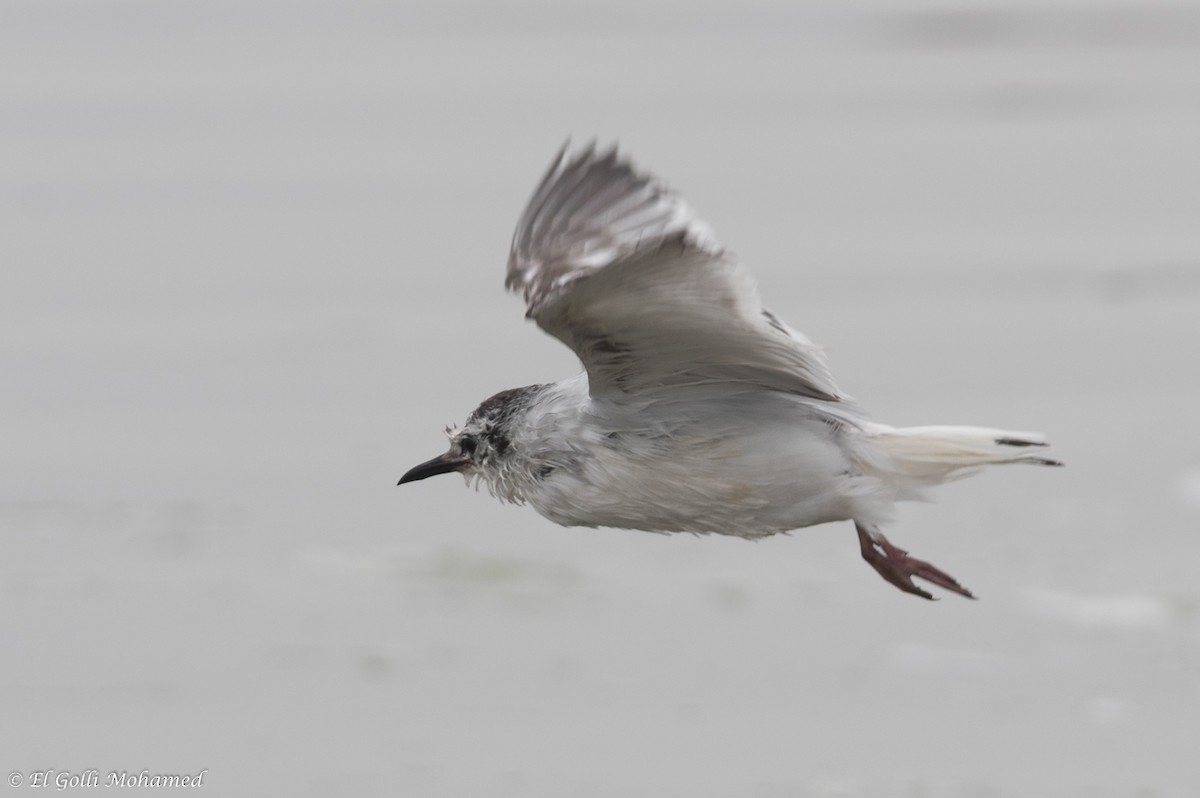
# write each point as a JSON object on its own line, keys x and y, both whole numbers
{"x": 920, "y": 457}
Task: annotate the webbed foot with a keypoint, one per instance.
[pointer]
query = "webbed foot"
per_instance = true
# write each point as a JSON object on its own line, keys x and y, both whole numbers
{"x": 896, "y": 566}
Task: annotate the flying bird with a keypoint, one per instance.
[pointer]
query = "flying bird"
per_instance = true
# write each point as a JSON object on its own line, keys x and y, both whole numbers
{"x": 698, "y": 410}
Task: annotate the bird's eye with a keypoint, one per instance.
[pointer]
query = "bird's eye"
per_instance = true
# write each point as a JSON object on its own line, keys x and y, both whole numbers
{"x": 467, "y": 444}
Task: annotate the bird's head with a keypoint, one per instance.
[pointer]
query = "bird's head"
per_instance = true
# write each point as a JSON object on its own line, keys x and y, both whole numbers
{"x": 483, "y": 446}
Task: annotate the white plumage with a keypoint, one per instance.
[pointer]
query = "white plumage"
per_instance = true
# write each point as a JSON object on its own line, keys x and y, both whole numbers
{"x": 699, "y": 410}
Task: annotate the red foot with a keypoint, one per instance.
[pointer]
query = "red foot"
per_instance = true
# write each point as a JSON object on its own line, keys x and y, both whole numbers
{"x": 894, "y": 565}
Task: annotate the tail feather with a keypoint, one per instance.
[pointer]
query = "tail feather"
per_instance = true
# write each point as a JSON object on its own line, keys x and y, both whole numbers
{"x": 926, "y": 456}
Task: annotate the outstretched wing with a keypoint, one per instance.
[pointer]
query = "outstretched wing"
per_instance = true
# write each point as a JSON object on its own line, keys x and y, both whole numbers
{"x": 616, "y": 266}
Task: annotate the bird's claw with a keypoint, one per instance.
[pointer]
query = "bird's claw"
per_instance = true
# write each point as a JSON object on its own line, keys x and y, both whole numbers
{"x": 897, "y": 567}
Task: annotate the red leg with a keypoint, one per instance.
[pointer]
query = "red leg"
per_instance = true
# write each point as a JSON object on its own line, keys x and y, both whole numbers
{"x": 894, "y": 565}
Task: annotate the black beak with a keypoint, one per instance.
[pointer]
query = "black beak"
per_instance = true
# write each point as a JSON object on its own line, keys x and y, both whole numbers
{"x": 443, "y": 464}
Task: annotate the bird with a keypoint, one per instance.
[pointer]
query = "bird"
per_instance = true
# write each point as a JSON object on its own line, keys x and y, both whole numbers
{"x": 697, "y": 410}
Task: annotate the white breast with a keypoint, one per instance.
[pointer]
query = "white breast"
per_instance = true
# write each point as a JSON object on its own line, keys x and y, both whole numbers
{"x": 743, "y": 463}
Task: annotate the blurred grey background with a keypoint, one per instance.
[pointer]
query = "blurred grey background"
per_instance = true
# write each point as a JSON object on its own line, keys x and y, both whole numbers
{"x": 252, "y": 261}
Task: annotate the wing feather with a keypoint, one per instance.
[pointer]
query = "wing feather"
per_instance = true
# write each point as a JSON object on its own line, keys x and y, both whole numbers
{"x": 614, "y": 264}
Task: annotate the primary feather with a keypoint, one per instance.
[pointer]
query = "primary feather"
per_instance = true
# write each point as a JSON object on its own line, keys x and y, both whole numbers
{"x": 617, "y": 267}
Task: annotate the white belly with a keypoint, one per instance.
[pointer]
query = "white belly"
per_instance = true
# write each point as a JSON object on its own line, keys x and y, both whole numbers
{"x": 749, "y": 477}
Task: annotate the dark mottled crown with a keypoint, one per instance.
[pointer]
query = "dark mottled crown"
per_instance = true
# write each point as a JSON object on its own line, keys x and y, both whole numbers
{"x": 494, "y": 417}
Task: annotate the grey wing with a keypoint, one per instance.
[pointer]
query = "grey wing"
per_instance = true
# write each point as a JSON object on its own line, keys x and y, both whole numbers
{"x": 615, "y": 265}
